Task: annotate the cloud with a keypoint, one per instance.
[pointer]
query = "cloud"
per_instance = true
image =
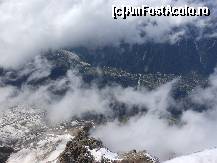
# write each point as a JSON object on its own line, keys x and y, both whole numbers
{"x": 28, "y": 27}
{"x": 206, "y": 96}
{"x": 78, "y": 98}
{"x": 154, "y": 130}
{"x": 159, "y": 137}
{"x": 157, "y": 132}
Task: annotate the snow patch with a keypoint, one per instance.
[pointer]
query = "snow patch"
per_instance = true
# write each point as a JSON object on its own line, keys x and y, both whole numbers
{"x": 98, "y": 154}
{"x": 207, "y": 156}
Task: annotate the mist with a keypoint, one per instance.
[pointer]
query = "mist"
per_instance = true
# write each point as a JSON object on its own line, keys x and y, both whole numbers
{"x": 161, "y": 135}
{"x": 29, "y": 27}
{"x": 154, "y": 130}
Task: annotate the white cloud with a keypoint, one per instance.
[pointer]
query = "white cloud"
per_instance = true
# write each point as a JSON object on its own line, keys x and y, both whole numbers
{"x": 162, "y": 139}
{"x": 29, "y": 26}
{"x": 154, "y": 131}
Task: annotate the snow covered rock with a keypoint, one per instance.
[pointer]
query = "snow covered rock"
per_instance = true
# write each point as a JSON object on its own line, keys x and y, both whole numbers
{"x": 85, "y": 149}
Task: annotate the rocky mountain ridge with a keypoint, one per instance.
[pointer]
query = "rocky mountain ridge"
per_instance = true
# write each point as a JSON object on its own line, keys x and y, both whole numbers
{"x": 62, "y": 143}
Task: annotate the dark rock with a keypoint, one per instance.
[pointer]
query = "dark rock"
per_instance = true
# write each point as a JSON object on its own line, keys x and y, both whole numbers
{"x": 78, "y": 150}
{"x": 138, "y": 157}
{"x": 5, "y": 152}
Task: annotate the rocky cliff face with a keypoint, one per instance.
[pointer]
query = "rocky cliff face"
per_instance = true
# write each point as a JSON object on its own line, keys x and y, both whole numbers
{"x": 84, "y": 149}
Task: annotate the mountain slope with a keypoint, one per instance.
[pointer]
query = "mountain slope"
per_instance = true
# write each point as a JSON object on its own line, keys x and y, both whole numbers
{"x": 207, "y": 156}
{"x": 181, "y": 57}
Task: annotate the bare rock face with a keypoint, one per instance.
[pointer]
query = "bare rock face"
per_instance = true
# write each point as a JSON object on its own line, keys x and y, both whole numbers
{"x": 77, "y": 150}
{"x": 5, "y": 152}
{"x": 138, "y": 157}
{"x": 84, "y": 149}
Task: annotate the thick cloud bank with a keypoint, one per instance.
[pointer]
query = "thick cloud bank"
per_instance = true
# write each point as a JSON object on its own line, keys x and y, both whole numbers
{"x": 28, "y": 27}
{"x": 163, "y": 137}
